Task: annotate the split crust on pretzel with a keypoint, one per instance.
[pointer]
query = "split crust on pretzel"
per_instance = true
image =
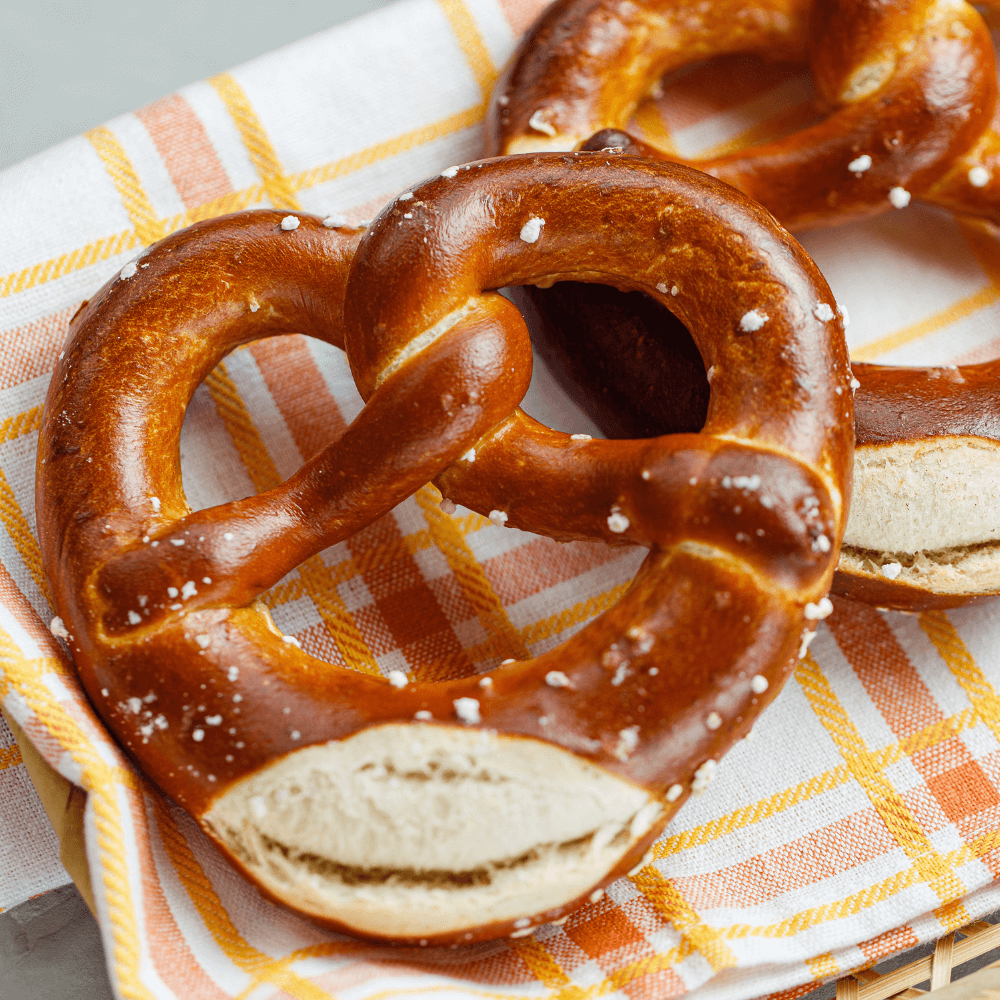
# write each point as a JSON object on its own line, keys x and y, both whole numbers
{"x": 911, "y": 89}
{"x": 468, "y": 808}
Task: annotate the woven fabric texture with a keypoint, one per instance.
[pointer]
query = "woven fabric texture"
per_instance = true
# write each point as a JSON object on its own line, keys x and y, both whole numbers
{"x": 864, "y": 814}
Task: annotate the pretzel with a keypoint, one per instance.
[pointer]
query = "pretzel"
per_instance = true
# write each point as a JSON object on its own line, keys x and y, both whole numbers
{"x": 464, "y": 809}
{"x": 912, "y": 88}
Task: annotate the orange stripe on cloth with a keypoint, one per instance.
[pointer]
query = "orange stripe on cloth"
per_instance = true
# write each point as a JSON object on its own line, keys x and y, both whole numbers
{"x": 476, "y": 586}
{"x": 187, "y": 151}
{"x": 895, "y": 813}
{"x": 218, "y": 921}
{"x": 405, "y": 604}
{"x": 264, "y": 474}
{"x": 110, "y": 246}
{"x": 675, "y": 909}
{"x": 148, "y": 227}
{"x": 803, "y": 861}
{"x": 33, "y": 349}
{"x": 10, "y": 757}
{"x": 279, "y": 189}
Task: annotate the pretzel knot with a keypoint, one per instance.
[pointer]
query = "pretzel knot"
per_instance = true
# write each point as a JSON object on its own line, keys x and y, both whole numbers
{"x": 910, "y": 90}
{"x": 447, "y": 811}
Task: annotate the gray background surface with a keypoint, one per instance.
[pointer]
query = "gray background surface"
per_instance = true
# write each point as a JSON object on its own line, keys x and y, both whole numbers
{"x": 65, "y": 67}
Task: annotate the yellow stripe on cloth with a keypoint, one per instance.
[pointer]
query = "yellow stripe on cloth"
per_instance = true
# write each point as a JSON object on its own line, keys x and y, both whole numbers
{"x": 263, "y": 155}
{"x": 264, "y": 475}
{"x": 477, "y": 55}
{"x": 389, "y": 147}
{"x": 506, "y": 640}
{"x": 672, "y": 906}
{"x": 213, "y": 914}
{"x": 946, "y": 640}
{"x": 822, "y": 966}
{"x": 10, "y": 757}
{"x": 21, "y": 535}
{"x": 540, "y": 962}
{"x": 654, "y": 129}
{"x": 889, "y": 804}
{"x": 148, "y": 227}
{"x": 111, "y": 246}
{"x": 102, "y": 783}
{"x": 956, "y": 311}
{"x": 22, "y": 423}
{"x": 650, "y": 965}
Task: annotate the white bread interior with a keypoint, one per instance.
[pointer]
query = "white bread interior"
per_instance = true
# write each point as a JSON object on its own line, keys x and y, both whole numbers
{"x": 420, "y": 830}
{"x": 933, "y": 508}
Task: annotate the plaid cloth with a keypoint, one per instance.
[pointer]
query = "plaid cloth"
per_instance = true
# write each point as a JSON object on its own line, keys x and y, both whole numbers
{"x": 860, "y": 819}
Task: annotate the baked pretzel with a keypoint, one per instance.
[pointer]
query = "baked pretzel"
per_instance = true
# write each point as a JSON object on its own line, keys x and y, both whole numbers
{"x": 912, "y": 92}
{"x": 465, "y": 809}
{"x": 910, "y": 88}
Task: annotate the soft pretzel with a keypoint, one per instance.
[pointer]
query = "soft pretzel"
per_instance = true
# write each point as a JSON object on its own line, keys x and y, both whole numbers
{"x": 912, "y": 88}
{"x": 448, "y": 811}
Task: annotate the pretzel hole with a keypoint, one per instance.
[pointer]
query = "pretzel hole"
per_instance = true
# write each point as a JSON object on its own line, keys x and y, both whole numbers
{"x": 622, "y": 357}
{"x": 765, "y": 99}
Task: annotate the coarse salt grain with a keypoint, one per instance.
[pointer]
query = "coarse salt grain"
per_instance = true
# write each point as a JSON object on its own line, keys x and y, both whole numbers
{"x": 539, "y": 123}
{"x": 674, "y": 792}
{"x": 398, "y": 679}
{"x": 979, "y": 177}
{"x": 817, "y": 612}
{"x": 289, "y": 222}
{"x": 498, "y": 517}
{"x": 133, "y": 618}
{"x": 213, "y": 720}
{"x": 423, "y": 715}
{"x": 177, "y": 541}
{"x": 129, "y": 269}
{"x": 189, "y": 590}
{"x": 581, "y": 437}
{"x": 58, "y": 628}
{"x": 172, "y": 591}
{"x": 758, "y": 684}
{"x": 703, "y": 776}
{"x": 292, "y": 641}
{"x": 713, "y": 720}
{"x": 450, "y": 172}
{"x": 532, "y": 229}
{"x": 228, "y": 536}
{"x": 337, "y": 221}
{"x": 469, "y": 456}
{"x": 198, "y": 735}
{"x": 823, "y": 312}
{"x": 232, "y": 673}
{"x": 807, "y": 637}
{"x": 155, "y": 502}
{"x": 447, "y": 506}
{"x": 753, "y": 321}
{"x": 597, "y": 895}
{"x": 557, "y": 679}
{"x": 844, "y": 315}
{"x": 662, "y": 288}
{"x": 467, "y": 709}
{"x": 891, "y": 570}
{"x": 899, "y": 197}
{"x": 617, "y": 522}
{"x": 860, "y": 165}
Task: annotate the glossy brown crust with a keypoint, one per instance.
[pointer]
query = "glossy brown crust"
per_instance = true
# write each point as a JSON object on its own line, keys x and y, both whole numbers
{"x": 912, "y": 85}
{"x": 911, "y": 404}
{"x": 164, "y": 666}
